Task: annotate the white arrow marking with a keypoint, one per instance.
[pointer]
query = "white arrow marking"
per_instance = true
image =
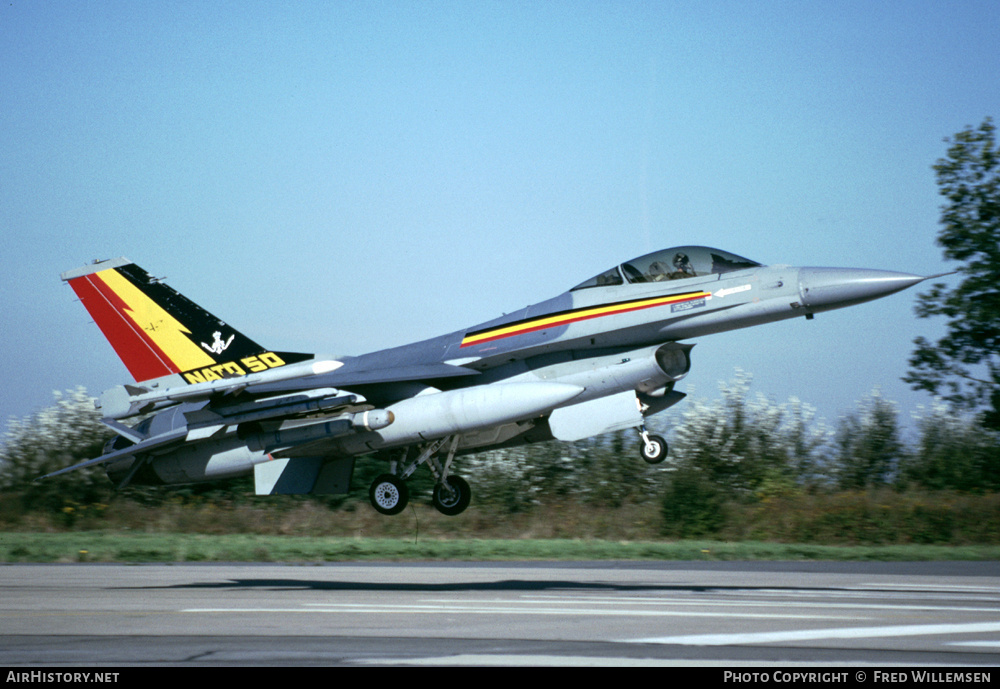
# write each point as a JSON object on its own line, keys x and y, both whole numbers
{"x": 731, "y": 290}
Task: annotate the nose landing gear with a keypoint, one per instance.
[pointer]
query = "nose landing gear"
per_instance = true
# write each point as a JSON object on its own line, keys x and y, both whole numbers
{"x": 654, "y": 447}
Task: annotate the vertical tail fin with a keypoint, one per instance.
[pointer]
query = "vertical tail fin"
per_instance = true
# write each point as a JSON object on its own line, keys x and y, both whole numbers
{"x": 157, "y": 332}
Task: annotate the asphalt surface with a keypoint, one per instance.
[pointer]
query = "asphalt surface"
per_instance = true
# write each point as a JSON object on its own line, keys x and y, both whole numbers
{"x": 732, "y": 614}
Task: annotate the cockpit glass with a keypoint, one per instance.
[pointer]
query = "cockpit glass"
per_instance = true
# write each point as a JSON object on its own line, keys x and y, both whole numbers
{"x": 672, "y": 264}
{"x": 608, "y": 277}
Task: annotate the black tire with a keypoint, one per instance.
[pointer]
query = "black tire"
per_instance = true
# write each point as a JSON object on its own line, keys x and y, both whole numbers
{"x": 452, "y": 503}
{"x": 655, "y": 451}
{"x": 388, "y": 494}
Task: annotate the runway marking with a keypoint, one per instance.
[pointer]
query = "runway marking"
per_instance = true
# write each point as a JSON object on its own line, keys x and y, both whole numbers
{"x": 498, "y": 660}
{"x": 944, "y": 588}
{"x": 707, "y": 602}
{"x": 818, "y": 634}
{"x": 873, "y": 590}
{"x": 457, "y": 608}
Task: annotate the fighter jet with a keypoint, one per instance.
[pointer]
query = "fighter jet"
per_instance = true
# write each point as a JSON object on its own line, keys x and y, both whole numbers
{"x": 209, "y": 403}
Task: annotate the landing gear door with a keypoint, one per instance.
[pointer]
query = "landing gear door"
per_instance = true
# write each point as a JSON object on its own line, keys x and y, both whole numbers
{"x": 601, "y": 415}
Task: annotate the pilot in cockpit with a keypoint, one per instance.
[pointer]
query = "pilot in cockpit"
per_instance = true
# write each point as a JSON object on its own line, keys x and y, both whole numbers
{"x": 682, "y": 267}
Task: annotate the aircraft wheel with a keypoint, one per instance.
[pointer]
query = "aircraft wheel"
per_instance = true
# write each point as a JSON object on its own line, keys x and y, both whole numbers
{"x": 455, "y": 502}
{"x": 654, "y": 450}
{"x": 388, "y": 494}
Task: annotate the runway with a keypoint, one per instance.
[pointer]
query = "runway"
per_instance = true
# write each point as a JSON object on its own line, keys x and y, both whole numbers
{"x": 727, "y": 614}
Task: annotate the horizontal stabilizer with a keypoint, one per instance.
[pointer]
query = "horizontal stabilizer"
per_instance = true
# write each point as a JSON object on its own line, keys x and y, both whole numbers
{"x": 155, "y": 443}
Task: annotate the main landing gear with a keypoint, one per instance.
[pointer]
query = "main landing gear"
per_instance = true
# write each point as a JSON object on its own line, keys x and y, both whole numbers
{"x": 389, "y": 494}
{"x": 452, "y": 496}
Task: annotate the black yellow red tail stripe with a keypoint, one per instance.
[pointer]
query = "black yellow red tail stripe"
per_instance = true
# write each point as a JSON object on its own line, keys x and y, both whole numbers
{"x": 156, "y": 331}
{"x": 553, "y": 320}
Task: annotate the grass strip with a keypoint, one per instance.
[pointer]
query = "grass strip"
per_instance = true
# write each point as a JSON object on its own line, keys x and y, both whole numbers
{"x": 97, "y": 546}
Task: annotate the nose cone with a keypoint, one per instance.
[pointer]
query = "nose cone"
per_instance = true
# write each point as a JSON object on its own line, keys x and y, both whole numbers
{"x": 823, "y": 289}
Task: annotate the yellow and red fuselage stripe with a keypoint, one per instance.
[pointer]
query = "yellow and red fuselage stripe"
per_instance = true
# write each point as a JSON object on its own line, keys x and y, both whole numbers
{"x": 554, "y": 320}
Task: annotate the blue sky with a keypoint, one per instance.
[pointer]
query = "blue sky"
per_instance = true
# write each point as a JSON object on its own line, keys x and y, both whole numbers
{"x": 346, "y": 176}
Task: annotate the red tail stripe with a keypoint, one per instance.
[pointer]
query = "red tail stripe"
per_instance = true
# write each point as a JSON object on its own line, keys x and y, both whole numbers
{"x": 140, "y": 354}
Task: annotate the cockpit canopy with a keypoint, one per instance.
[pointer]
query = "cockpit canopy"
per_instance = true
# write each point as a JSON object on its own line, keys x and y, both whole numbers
{"x": 670, "y": 264}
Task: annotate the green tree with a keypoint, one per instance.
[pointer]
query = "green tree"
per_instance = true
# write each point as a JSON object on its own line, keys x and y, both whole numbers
{"x": 868, "y": 446}
{"x": 964, "y": 365}
{"x": 953, "y": 453}
{"x": 53, "y": 438}
{"x": 744, "y": 445}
